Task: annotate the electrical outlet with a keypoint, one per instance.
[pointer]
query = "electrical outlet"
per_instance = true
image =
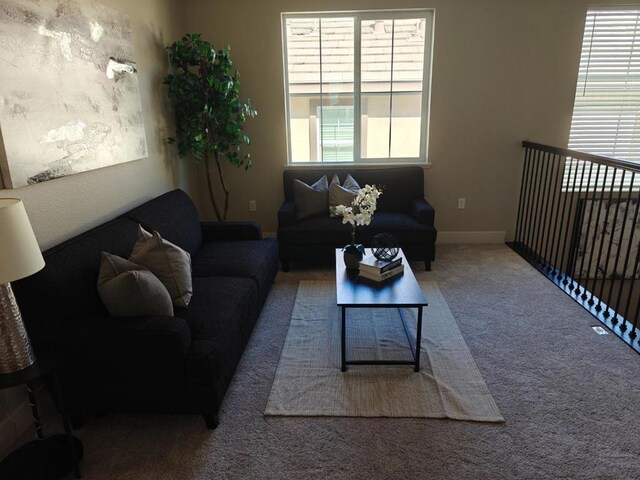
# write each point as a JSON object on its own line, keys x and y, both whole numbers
{"x": 252, "y": 206}
{"x": 600, "y": 330}
{"x": 462, "y": 202}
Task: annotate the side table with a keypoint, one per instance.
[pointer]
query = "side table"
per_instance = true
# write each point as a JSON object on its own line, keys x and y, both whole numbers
{"x": 46, "y": 457}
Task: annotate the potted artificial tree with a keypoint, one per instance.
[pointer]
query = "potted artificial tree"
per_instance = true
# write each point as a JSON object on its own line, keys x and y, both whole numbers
{"x": 204, "y": 88}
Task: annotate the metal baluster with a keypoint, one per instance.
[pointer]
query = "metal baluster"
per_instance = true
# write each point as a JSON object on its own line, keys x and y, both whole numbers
{"x": 574, "y": 284}
{"x": 528, "y": 205}
{"x": 567, "y": 227}
{"x": 532, "y": 196}
{"x": 548, "y": 250}
{"x": 534, "y": 211}
{"x": 595, "y": 273}
{"x": 632, "y": 333}
{"x": 543, "y": 212}
{"x": 611, "y": 238}
{"x": 564, "y": 266}
{"x": 614, "y": 320}
{"x": 543, "y": 200}
{"x": 586, "y": 240}
{"x": 602, "y": 246}
{"x": 558, "y": 268}
{"x": 523, "y": 189}
{"x": 623, "y": 326}
{"x": 627, "y": 310}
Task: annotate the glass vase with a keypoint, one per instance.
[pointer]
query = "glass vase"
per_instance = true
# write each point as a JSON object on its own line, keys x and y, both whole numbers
{"x": 353, "y": 252}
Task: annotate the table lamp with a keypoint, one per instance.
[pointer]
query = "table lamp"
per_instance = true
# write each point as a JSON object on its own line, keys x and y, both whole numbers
{"x": 20, "y": 257}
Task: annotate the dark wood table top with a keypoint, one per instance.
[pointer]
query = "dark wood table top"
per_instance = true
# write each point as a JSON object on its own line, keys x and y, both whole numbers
{"x": 402, "y": 290}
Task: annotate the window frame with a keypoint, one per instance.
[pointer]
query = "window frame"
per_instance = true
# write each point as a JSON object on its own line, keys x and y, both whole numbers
{"x": 359, "y": 16}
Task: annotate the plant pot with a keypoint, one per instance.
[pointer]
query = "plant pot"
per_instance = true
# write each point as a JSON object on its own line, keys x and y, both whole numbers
{"x": 353, "y": 253}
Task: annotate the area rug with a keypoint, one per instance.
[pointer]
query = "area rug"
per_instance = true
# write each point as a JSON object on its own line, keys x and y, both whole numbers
{"x": 309, "y": 382}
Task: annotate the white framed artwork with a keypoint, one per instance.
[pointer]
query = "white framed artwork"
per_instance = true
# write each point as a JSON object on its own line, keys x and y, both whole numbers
{"x": 69, "y": 98}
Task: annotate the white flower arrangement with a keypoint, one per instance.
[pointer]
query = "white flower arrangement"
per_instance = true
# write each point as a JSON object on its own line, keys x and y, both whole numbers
{"x": 362, "y": 208}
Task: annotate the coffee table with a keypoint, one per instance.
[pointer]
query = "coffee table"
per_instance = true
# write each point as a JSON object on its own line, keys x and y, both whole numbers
{"x": 398, "y": 292}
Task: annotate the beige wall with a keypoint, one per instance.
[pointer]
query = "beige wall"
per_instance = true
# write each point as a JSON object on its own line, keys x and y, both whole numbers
{"x": 503, "y": 71}
{"x": 61, "y": 208}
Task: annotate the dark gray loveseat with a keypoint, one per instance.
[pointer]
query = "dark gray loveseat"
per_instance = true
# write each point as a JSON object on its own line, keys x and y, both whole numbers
{"x": 182, "y": 364}
{"x": 402, "y": 211}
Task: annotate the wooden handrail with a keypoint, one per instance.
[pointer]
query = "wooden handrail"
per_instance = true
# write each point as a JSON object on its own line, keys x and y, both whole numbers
{"x": 566, "y": 152}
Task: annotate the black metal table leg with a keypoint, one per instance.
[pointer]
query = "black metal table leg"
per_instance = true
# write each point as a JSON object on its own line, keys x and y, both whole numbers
{"x": 35, "y": 414}
{"x": 418, "y": 338}
{"x": 65, "y": 419}
{"x": 343, "y": 342}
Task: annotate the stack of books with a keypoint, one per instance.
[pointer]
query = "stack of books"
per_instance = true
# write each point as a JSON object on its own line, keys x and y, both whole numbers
{"x": 378, "y": 270}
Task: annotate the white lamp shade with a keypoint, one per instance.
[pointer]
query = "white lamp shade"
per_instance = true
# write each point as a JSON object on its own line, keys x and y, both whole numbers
{"x": 20, "y": 254}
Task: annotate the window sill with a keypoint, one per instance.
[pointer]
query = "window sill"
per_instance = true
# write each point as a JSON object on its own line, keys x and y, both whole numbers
{"x": 352, "y": 165}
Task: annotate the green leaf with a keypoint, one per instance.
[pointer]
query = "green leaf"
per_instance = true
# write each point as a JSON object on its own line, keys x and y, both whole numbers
{"x": 204, "y": 87}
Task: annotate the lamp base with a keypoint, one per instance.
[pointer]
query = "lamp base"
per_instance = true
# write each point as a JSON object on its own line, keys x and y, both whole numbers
{"x": 15, "y": 348}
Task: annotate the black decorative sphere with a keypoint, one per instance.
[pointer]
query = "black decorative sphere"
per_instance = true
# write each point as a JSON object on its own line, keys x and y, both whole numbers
{"x": 385, "y": 246}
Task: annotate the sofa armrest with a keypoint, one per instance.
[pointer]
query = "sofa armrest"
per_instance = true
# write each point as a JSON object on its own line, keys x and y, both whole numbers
{"x": 287, "y": 214}
{"x": 422, "y": 212}
{"x": 166, "y": 336}
{"x": 225, "y": 231}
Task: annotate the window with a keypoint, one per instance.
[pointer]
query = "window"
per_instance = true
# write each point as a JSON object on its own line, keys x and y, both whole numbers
{"x": 606, "y": 113}
{"x": 357, "y": 86}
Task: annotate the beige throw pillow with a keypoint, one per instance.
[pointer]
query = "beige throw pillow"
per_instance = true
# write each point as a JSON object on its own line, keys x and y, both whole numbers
{"x": 130, "y": 290}
{"x": 168, "y": 262}
{"x": 342, "y": 195}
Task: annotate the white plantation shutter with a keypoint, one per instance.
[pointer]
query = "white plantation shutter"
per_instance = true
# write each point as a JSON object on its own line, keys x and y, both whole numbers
{"x": 606, "y": 118}
{"x": 336, "y": 125}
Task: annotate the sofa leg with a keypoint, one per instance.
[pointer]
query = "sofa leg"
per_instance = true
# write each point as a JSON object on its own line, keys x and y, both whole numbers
{"x": 285, "y": 265}
{"x": 211, "y": 420}
{"x": 427, "y": 265}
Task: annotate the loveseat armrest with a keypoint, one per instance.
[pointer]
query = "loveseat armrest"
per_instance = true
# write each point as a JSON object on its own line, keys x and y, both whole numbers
{"x": 422, "y": 212}
{"x": 225, "y": 231}
{"x": 287, "y": 214}
{"x": 169, "y": 337}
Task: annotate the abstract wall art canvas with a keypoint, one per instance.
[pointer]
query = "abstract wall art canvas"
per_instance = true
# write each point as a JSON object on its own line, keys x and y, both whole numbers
{"x": 69, "y": 98}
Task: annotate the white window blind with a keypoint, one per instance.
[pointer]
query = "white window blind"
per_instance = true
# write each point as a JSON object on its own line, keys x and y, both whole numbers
{"x": 607, "y": 104}
{"x": 606, "y": 112}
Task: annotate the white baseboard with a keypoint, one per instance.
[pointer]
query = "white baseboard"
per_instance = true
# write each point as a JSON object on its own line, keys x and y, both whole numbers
{"x": 472, "y": 237}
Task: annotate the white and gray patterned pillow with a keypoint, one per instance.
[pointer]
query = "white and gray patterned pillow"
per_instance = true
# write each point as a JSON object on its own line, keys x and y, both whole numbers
{"x": 342, "y": 194}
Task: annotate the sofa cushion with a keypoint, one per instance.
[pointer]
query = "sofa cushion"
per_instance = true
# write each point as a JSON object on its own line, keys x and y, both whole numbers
{"x": 174, "y": 216}
{"x": 311, "y": 200}
{"x": 219, "y": 308}
{"x": 221, "y": 317}
{"x": 327, "y": 230}
{"x": 168, "y": 262}
{"x": 244, "y": 258}
{"x": 130, "y": 290}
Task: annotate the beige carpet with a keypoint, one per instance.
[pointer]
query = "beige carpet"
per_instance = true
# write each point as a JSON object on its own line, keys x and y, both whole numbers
{"x": 309, "y": 382}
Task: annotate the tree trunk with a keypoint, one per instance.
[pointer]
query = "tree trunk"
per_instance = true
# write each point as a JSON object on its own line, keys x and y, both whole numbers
{"x": 212, "y": 197}
{"x": 224, "y": 187}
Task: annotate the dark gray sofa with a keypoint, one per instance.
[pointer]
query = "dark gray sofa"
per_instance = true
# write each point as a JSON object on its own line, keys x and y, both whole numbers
{"x": 402, "y": 210}
{"x": 182, "y": 364}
